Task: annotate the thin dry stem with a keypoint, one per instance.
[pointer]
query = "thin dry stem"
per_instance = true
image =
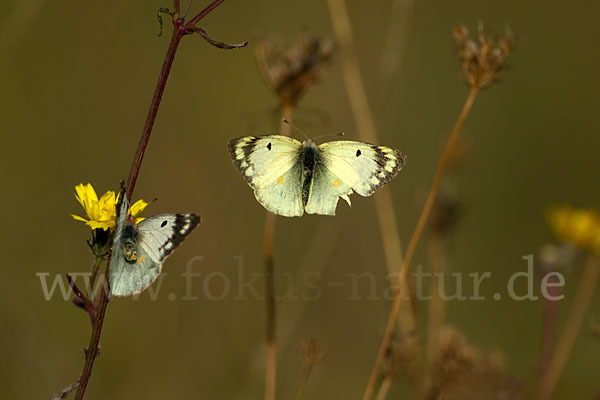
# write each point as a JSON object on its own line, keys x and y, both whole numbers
{"x": 437, "y": 259}
{"x": 549, "y": 260}
{"x": 384, "y": 388}
{"x": 271, "y": 349}
{"x": 394, "y": 45}
{"x": 365, "y": 124}
{"x": 304, "y": 381}
{"x": 414, "y": 240}
{"x": 575, "y": 319}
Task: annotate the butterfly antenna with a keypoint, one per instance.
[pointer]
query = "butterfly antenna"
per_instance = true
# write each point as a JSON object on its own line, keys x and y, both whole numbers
{"x": 329, "y": 135}
{"x": 295, "y": 127}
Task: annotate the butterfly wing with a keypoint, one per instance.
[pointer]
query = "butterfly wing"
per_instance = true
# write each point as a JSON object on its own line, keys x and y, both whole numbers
{"x": 131, "y": 278}
{"x": 347, "y": 166}
{"x": 139, "y": 251}
{"x": 272, "y": 167}
{"x": 161, "y": 234}
{"x": 118, "y": 263}
{"x": 325, "y": 191}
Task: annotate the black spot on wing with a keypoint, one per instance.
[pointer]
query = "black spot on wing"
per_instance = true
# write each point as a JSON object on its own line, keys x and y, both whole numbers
{"x": 164, "y": 223}
{"x": 358, "y": 153}
{"x": 269, "y": 146}
{"x": 183, "y": 226}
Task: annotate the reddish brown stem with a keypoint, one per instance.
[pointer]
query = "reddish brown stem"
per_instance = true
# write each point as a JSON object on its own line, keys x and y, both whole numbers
{"x": 180, "y": 29}
{"x": 92, "y": 349}
{"x": 549, "y": 327}
{"x": 158, "y": 93}
{"x": 203, "y": 13}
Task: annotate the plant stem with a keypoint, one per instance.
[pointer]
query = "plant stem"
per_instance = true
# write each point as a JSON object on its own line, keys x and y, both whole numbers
{"x": 304, "y": 381}
{"x": 92, "y": 349}
{"x": 271, "y": 350}
{"x": 204, "y": 12}
{"x": 384, "y": 388}
{"x": 575, "y": 319}
{"x": 95, "y": 270}
{"x": 414, "y": 240}
{"x": 437, "y": 259}
{"x": 365, "y": 124}
{"x": 549, "y": 329}
{"x": 271, "y": 354}
{"x": 178, "y": 33}
{"x": 158, "y": 93}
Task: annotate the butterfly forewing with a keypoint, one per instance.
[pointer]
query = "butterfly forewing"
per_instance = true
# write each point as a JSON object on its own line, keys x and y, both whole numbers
{"x": 161, "y": 234}
{"x": 272, "y": 167}
{"x": 140, "y": 250}
{"x": 261, "y": 160}
{"x": 361, "y": 166}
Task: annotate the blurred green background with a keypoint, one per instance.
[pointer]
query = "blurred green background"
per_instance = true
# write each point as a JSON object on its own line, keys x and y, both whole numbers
{"x": 77, "y": 79}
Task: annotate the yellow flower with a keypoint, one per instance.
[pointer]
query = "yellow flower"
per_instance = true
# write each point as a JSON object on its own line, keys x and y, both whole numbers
{"x": 580, "y": 227}
{"x": 102, "y": 213}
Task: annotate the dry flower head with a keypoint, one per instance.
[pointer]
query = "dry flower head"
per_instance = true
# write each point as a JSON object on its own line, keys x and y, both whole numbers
{"x": 291, "y": 70}
{"x": 461, "y": 371}
{"x": 402, "y": 358}
{"x": 312, "y": 350}
{"x": 484, "y": 57}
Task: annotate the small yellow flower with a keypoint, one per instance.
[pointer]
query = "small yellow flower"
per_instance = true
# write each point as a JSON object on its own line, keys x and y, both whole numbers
{"x": 102, "y": 213}
{"x": 580, "y": 227}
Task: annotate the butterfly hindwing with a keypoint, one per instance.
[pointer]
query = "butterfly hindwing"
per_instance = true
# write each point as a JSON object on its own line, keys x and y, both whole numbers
{"x": 283, "y": 196}
{"x": 127, "y": 278}
{"x": 272, "y": 167}
{"x": 140, "y": 250}
{"x": 363, "y": 167}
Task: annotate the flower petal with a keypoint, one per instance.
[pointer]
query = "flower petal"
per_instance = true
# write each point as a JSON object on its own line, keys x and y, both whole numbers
{"x": 78, "y": 218}
{"x": 138, "y": 207}
{"x": 106, "y": 225}
{"x": 86, "y": 195}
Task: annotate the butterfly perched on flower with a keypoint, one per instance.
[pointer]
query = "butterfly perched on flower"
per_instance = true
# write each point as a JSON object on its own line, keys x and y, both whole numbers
{"x": 139, "y": 250}
{"x": 290, "y": 177}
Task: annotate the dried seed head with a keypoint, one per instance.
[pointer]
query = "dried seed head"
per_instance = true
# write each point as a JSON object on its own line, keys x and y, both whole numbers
{"x": 454, "y": 363}
{"x": 402, "y": 357}
{"x": 290, "y": 71}
{"x": 312, "y": 350}
{"x": 462, "y": 371}
{"x": 482, "y": 58}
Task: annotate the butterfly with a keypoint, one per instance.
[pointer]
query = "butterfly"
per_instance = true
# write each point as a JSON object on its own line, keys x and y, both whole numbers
{"x": 290, "y": 177}
{"x": 139, "y": 250}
